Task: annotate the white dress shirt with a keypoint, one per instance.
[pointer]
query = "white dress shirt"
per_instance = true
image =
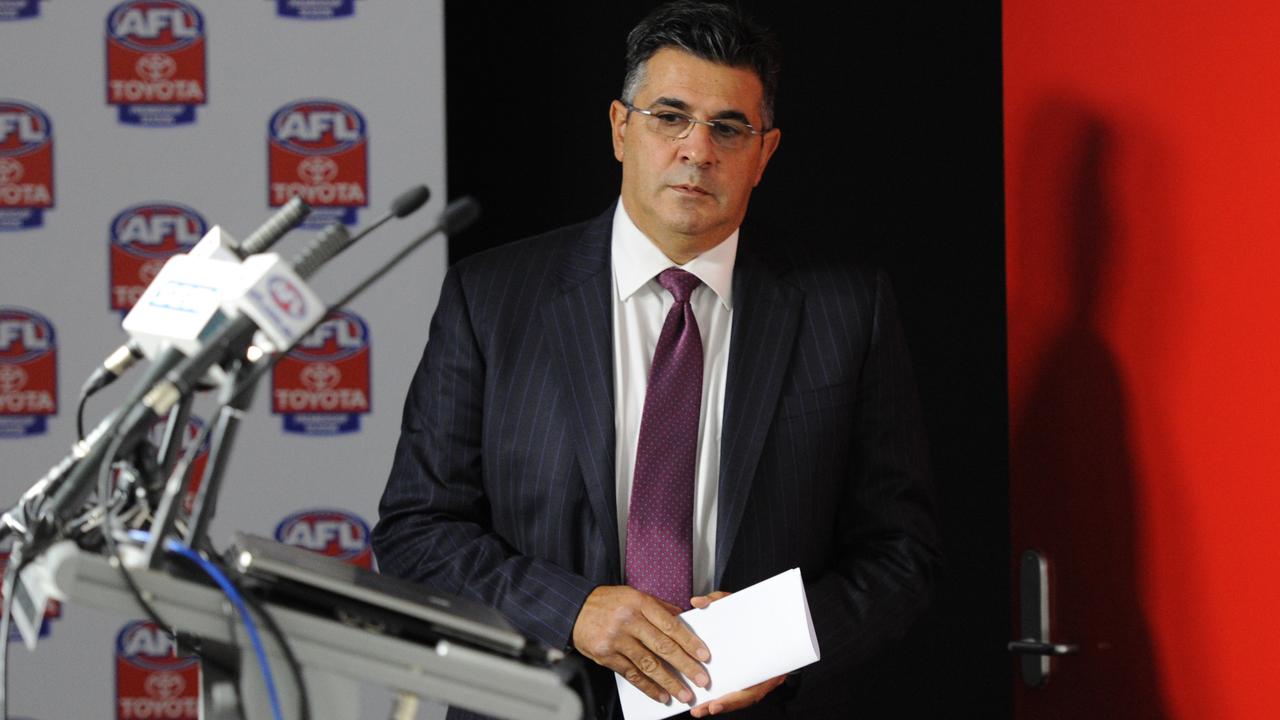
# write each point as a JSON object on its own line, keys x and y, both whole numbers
{"x": 640, "y": 307}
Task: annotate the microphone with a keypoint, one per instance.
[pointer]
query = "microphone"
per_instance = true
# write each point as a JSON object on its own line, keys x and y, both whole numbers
{"x": 410, "y": 200}
{"x": 405, "y": 204}
{"x": 457, "y": 216}
{"x": 68, "y": 483}
{"x": 15, "y": 519}
{"x": 271, "y": 298}
{"x": 274, "y": 300}
{"x": 149, "y": 330}
{"x": 257, "y": 313}
{"x": 281, "y": 222}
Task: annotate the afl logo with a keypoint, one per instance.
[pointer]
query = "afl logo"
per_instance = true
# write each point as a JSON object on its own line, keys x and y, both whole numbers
{"x": 322, "y": 386}
{"x": 152, "y": 680}
{"x": 142, "y": 238}
{"x": 28, "y": 372}
{"x": 24, "y": 128}
{"x": 155, "y": 25}
{"x": 26, "y": 165}
{"x": 339, "y": 336}
{"x": 157, "y": 230}
{"x": 24, "y": 336}
{"x": 146, "y": 646}
{"x": 317, "y": 127}
{"x": 318, "y": 150}
{"x": 335, "y": 533}
{"x": 156, "y": 61}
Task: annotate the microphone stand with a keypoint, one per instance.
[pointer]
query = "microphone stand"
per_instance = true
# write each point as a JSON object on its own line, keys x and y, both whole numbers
{"x": 174, "y": 434}
{"x": 241, "y": 380}
{"x": 222, "y": 429}
{"x": 68, "y": 483}
{"x": 232, "y": 409}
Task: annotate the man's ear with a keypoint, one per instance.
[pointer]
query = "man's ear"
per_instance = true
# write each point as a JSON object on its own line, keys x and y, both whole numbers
{"x": 618, "y": 124}
{"x": 771, "y": 140}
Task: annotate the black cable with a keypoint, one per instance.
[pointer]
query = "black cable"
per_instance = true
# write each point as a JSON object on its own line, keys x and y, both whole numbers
{"x": 84, "y": 398}
{"x": 108, "y": 535}
{"x": 183, "y": 640}
{"x": 104, "y": 480}
{"x": 215, "y": 573}
{"x": 295, "y": 667}
{"x": 5, "y": 615}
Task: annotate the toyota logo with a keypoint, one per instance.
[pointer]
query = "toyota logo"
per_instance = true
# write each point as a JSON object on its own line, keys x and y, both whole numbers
{"x": 320, "y": 376}
{"x": 12, "y": 378}
{"x": 317, "y": 170}
{"x": 164, "y": 685}
{"x": 148, "y": 271}
{"x": 154, "y": 67}
{"x": 10, "y": 171}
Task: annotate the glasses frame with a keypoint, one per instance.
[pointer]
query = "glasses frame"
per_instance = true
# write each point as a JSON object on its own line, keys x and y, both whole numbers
{"x": 693, "y": 122}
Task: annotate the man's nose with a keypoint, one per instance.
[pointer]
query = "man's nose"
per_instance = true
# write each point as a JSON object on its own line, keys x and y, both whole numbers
{"x": 697, "y": 148}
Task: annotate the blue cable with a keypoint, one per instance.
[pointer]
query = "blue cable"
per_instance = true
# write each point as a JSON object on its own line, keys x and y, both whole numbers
{"x": 233, "y": 595}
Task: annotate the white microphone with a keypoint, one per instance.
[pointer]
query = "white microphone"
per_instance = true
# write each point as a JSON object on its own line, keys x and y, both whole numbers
{"x": 151, "y": 326}
{"x": 270, "y": 303}
{"x": 267, "y": 296}
{"x": 263, "y": 293}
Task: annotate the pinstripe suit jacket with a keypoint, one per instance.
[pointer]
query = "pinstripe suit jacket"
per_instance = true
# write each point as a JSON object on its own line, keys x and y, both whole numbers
{"x": 502, "y": 488}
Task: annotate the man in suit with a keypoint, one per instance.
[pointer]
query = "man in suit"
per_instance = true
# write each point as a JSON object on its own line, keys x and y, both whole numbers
{"x": 618, "y": 420}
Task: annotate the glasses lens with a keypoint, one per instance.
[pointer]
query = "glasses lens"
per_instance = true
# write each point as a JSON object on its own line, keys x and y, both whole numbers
{"x": 730, "y": 133}
{"x": 669, "y": 122}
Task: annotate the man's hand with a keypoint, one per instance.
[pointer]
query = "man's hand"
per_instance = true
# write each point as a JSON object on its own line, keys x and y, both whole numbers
{"x": 734, "y": 700}
{"x": 631, "y": 633}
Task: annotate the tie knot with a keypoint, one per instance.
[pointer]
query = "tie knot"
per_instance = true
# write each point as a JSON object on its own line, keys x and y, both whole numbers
{"x": 679, "y": 283}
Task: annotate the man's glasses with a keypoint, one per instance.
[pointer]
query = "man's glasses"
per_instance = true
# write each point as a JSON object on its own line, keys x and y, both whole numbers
{"x": 726, "y": 132}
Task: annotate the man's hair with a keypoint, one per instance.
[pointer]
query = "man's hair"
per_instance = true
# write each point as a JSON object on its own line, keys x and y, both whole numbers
{"x": 711, "y": 31}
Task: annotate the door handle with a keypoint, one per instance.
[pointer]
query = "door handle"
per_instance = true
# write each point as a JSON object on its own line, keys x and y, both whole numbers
{"x": 1030, "y": 647}
{"x": 1035, "y": 648}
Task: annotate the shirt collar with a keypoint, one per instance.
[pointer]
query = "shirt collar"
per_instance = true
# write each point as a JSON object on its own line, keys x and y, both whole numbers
{"x": 637, "y": 260}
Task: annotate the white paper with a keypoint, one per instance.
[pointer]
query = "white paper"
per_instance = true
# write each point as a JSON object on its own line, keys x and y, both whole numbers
{"x": 754, "y": 634}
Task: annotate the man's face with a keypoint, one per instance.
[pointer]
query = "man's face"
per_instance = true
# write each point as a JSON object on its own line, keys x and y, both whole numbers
{"x": 689, "y": 194}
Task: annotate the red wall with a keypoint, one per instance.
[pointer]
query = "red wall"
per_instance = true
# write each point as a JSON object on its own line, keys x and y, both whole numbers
{"x": 1142, "y": 160}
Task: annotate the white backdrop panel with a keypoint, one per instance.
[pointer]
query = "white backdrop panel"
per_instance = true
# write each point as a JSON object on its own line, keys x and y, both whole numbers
{"x": 387, "y": 61}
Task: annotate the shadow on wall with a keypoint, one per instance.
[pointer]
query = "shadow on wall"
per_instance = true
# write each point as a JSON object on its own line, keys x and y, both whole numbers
{"x": 1072, "y": 467}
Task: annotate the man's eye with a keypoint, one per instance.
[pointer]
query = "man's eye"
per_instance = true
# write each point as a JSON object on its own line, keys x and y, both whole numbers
{"x": 671, "y": 118}
{"x": 730, "y": 129}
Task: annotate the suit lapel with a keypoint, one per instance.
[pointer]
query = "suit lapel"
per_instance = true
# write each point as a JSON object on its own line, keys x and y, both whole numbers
{"x": 766, "y": 318}
{"x": 579, "y": 324}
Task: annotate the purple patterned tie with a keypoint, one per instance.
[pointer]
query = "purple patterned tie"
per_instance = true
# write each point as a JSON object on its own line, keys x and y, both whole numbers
{"x": 660, "y": 521}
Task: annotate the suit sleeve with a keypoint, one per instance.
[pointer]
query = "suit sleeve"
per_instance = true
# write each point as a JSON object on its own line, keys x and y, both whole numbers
{"x": 887, "y": 553}
{"x": 434, "y": 519}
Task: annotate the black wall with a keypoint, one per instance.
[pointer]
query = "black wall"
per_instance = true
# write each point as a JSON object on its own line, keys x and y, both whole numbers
{"x": 891, "y": 152}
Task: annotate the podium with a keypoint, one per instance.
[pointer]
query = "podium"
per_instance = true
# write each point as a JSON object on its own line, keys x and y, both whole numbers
{"x": 335, "y": 656}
